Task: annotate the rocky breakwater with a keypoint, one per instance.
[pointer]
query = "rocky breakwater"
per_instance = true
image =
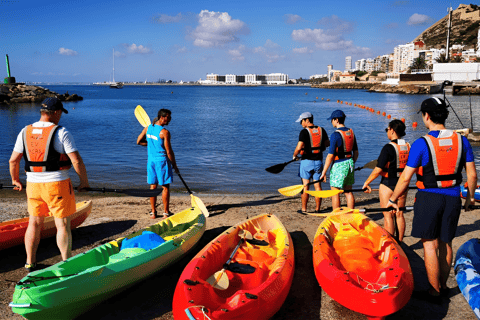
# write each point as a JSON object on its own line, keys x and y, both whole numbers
{"x": 406, "y": 89}
{"x": 21, "y": 93}
{"x": 345, "y": 85}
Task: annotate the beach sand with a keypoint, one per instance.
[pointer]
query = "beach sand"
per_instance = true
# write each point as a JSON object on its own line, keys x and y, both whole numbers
{"x": 115, "y": 216}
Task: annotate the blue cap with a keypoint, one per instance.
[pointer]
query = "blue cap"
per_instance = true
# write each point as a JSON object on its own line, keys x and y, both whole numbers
{"x": 337, "y": 114}
{"x": 53, "y": 104}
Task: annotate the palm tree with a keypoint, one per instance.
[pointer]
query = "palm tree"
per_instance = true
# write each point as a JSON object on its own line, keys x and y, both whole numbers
{"x": 418, "y": 64}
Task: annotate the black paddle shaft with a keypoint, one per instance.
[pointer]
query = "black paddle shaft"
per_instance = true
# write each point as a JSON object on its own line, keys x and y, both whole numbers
{"x": 183, "y": 181}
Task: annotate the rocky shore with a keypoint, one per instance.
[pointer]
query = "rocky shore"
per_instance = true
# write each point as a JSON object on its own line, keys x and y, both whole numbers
{"x": 378, "y": 87}
{"x": 21, "y": 93}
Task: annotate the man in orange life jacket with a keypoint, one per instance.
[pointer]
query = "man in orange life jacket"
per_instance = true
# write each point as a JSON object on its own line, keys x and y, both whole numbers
{"x": 343, "y": 153}
{"x": 312, "y": 141}
{"x": 438, "y": 159}
{"x": 49, "y": 151}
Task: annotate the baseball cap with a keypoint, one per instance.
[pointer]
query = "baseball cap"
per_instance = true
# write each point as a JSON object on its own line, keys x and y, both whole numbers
{"x": 53, "y": 104}
{"x": 337, "y": 114}
{"x": 432, "y": 104}
{"x": 304, "y": 115}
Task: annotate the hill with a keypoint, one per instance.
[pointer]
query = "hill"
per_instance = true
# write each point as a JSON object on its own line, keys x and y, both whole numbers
{"x": 465, "y": 24}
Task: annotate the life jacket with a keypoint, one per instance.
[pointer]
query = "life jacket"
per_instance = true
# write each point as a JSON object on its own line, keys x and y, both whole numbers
{"x": 39, "y": 153}
{"x": 315, "y": 134}
{"x": 444, "y": 168}
{"x": 347, "y": 142}
{"x": 402, "y": 149}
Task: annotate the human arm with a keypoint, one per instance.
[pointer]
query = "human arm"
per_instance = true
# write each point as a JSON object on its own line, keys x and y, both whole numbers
{"x": 298, "y": 149}
{"x": 79, "y": 166}
{"x": 14, "y": 164}
{"x": 374, "y": 175}
{"x": 328, "y": 162}
{"x": 141, "y": 140}
{"x": 472, "y": 184}
{"x": 165, "y": 135}
{"x": 355, "y": 150}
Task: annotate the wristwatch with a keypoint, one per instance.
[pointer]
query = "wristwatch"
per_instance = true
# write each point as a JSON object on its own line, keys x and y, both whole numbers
{"x": 393, "y": 202}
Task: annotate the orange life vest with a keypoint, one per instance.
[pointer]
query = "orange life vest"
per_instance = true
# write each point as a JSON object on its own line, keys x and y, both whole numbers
{"x": 347, "y": 138}
{"x": 315, "y": 139}
{"x": 402, "y": 149}
{"x": 39, "y": 153}
{"x": 444, "y": 168}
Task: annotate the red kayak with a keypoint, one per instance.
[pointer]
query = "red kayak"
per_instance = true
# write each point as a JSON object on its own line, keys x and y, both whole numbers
{"x": 360, "y": 265}
{"x": 12, "y": 232}
{"x": 257, "y": 280}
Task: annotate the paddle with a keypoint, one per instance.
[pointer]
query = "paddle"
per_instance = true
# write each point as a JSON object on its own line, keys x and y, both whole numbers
{"x": 331, "y": 193}
{"x": 279, "y": 167}
{"x": 219, "y": 279}
{"x": 142, "y": 116}
{"x": 131, "y": 192}
{"x": 195, "y": 200}
{"x": 296, "y": 189}
{"x": 364, "y": 210}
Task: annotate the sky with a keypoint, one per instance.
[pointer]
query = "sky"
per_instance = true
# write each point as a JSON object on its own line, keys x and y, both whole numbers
{"x": 74, "y": 41}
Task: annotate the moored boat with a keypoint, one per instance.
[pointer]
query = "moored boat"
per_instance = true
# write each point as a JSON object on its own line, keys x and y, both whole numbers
{"x": 12, "y": 232}
{"x": 256, "y": 287}
{"x": 69, "y": 288}
{"x": 360, "y": 265}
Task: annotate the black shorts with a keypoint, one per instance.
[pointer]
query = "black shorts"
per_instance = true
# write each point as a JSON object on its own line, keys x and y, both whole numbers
{"x": 435, "y": 216}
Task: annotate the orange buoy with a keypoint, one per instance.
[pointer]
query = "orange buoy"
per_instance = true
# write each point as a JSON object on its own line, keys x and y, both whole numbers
{"x": 389, "y": 116}
{"x": 328, "y": 99}
{"x": 378, "y": 112}
{"x": 414, "y": 124}
{"x": 384, "y": 114}
{"x": 322, "y": 98}
{"x": 403, "y": 120}
{"x": 317, "y": 98}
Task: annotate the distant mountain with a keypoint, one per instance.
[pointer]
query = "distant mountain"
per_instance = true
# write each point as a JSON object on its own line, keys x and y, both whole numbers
{"x": 465, "y": 24}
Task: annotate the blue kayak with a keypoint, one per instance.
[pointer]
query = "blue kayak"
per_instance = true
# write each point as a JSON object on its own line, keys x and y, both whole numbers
{"x": 464, "y": 193}
{"x": 467, "y": 266}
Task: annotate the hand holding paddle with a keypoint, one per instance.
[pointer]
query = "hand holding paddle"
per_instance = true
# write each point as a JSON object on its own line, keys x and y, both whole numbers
{"x": 219, "y": 279}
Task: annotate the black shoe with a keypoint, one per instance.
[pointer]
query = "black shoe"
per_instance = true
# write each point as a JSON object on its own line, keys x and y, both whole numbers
{"x": 31, "y": 267}
{"x": 302, "y": 212}
{"x": 426, "y": 296}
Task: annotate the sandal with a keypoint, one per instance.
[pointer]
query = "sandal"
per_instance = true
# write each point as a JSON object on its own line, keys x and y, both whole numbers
{"x": 31, "y": 267}
{"x": 153, "y": 215}
{"x": 168, "y": 214}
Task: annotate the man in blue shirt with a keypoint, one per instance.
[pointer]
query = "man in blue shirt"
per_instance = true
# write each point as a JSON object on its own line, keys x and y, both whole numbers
{"x": 438, "y": 159}
{"x": 343, "y": 153}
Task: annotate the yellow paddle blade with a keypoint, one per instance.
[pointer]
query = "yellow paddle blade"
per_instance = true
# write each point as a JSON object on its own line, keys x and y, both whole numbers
{"x": 219, "y": 280}
{"x": 291, "y": 191}
{"x": 324, "y": 193}
{"x": 199, "y": 203}
{"x": 142, "y": 116}
{"x": 335, "y": 212}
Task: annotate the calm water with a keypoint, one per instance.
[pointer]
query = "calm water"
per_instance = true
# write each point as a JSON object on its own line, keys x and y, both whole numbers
{"x": 223, "y": 137}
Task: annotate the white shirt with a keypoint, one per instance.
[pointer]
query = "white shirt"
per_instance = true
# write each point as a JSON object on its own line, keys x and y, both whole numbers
{"x": 63, "y": 142}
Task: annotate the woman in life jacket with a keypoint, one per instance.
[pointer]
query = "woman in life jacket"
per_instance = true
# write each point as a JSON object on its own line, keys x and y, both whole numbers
{"x": 391, "y": 162}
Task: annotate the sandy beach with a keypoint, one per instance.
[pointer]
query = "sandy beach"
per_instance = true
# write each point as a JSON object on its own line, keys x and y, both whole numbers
{"x": 114, "y": 216}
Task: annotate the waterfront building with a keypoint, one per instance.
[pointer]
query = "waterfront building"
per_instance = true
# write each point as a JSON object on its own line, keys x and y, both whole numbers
{"x": 463, "y": 72}
{"x": 329, "y": 72}
{"x": 347, "y": 78}
{"x": 255, "y": 79}
{"x": 403, "y": 57}
{"x": 212, "y": 78}
{"x": 277, "y": 78}
{"x": 348, "y": 63}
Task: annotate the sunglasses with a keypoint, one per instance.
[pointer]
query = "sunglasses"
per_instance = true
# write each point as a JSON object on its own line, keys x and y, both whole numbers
{"x": 386, "y": 130}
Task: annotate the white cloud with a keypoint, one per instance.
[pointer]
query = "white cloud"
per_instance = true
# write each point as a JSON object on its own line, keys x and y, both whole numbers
{"x": 67, "y": 52}
{"x": 302, "y": 50}
{"x": 216, "y": 29}
{"x": 237, "y": 54}
{"x": 419, "y": 19}
{"x": 133, "y": 48}
{"x": 271, "y": 51}
{"x": 164, "y": 19}
{"x": 292, "y": 18}
{"x": 336, "y": 25}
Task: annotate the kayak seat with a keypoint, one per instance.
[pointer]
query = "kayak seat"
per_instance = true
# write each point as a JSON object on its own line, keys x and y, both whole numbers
{"x": 125, "y": 254}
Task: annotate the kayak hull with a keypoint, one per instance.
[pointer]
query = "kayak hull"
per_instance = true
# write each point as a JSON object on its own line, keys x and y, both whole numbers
{"x": 74, "y": 286}
{"x": 258, "y": 295}
{"x": 467, "y": 268}
{"x": 12, "y": 232}
{"x": 361, "y": 266}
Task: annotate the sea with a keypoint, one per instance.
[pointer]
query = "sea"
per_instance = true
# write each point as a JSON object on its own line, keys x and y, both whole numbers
{"x": 224, "y": 137}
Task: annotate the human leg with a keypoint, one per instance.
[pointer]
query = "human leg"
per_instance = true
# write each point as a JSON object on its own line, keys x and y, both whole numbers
{"x": 32, "y": 238}
{"x": 64, "y": 237}
{"x": 166, "y": 198}
{"x": 384, "y": 194}
{"x": 432, "y": 265}
{"x": 399, "y": 218}
{"x": 350, "y": 198}
{"x": 445, "y": 257}
{"x": 305, "y": 195}
{"x": 152, "y": 180}
{"x": 318, "y": 200}
{"x": 349, "y": 180}
{"x": 153, "y": 202}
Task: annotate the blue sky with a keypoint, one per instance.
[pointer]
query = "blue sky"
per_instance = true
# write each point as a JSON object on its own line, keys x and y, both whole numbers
{"x": 72, "y": 41}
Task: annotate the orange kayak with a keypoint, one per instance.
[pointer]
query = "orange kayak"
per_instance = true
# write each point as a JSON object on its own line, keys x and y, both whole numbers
{"x": 360, "y": 265}
{"x": 256, "y": 295}
{"x": 12, "y": 232}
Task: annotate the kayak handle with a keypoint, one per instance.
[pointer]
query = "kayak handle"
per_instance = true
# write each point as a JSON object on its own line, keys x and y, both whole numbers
{"x": 20, "y": 305}
{"x": 189, "y": 314}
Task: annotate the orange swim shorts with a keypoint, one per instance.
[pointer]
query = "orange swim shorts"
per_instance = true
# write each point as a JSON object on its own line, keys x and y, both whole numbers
{"x": 51, "y": 199}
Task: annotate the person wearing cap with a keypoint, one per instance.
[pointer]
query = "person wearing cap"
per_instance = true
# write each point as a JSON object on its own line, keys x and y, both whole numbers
{"x": 312, "y": 141}
{"x": 341, "y": 156}
{"x": 438, "y": 159}
{"x": 391, "y": 163}
{"x": 161, "y": 159}
{"x": 48, "y": 150}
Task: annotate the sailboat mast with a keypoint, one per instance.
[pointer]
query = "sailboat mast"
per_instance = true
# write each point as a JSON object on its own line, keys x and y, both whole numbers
{"x": 113, "y": 65}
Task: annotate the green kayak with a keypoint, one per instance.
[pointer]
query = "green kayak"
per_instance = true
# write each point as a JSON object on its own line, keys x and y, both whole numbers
{"x": 72, "y": 287}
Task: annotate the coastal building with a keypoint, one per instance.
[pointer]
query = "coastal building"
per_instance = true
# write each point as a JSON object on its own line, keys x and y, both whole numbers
{"x": 347, "y": 78}
{"x": 329, "y": 72}
{"x": 463, "y": 72}
{"x": 277, "y": 78}
{"x": 273, "y": 78}
{"x": 317, "y": 76}
{"x": 348, "y": 64}
{"x": 403, "y": 57}
{"x": 255, "y": 79}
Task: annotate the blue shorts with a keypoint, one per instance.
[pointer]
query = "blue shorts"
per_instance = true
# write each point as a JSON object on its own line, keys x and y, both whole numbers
{"x": 310, "y": 169}
{"x": 435, "y": 216}
{"x": 159, "y": 172}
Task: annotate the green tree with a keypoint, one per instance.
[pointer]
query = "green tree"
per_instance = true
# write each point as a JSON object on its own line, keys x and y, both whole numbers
{"x": 442, "y": 58}
{"x": 418, "y": 64}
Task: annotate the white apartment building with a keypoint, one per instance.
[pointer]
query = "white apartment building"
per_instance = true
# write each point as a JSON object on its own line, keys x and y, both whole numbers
{"x": 212, "y": 78}
{"x": 315, "y": 76}
{"x": 348, "y": 63}
{"x": 230, "y": 78}
{"x": 403, "y": 56}
{"x": 369, "y": 65}
{"x": 277, "y": 78}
